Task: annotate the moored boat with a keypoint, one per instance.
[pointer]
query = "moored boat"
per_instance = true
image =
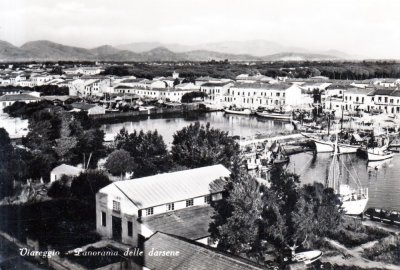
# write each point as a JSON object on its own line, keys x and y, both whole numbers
{"x": 377, "y": 154}
{"x": 353, "y": 200}
{"x": 275, "y": 116}
{"x": 239, "y": 111}
{"x": 327, "y": 147}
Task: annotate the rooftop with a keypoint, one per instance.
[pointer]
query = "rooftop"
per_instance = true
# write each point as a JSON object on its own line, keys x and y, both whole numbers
{"x": 358, "y": 91}
{"x": 214, "y": 84}
{"x": 19, "y": 97}
{"x": 191, "y": 223}
{"x": 66, "y": 169}
{"x": 192, "y": 255}
{"x": 82, "y": 106}
{"x": 267, "y": 86}
{"x": 172, "y": 187}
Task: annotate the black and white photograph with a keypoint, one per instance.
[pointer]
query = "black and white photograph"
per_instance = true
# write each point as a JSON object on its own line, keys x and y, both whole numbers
{"x": 199, "y": 135}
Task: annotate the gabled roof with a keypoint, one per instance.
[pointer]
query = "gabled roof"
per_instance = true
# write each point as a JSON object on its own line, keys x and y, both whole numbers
{"x": 192, "y": 255}
{"x": 66, "y": 169}
{"x": 191, "y": 223}
{"x": 171, "y": 187}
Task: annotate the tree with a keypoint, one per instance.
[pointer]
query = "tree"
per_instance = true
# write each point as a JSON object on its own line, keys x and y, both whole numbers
{"x": 147, "y": 149}
{"x": 90, "y": 145}
{"x": 65, "y": 145}
{"x": 119, "y": 162}
{"x": 189, "y": 97}
{"x": 236, "y": 225}
{"x": 60, "y": 188}
{"x": 251, "y": 217}
{"x": 176, "y": 82}
{"x": 198, "y": 145}
{"x": 87, "y": 184}
{"x": 287, "y": 217}
{"x": 6, "y": 148}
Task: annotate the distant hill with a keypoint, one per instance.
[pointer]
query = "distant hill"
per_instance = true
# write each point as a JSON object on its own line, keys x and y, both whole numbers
{"x": 9, "y": 52}
{"x": 48, "y": 50}
{"x": 292, "y": 56}
{"x": 44, "y": 50}
{"x": 105, "y": 50}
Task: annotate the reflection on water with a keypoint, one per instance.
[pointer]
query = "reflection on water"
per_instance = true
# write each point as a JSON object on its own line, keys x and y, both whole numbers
{"x": 240, "y": 125}
{"x": 382, "y": 178}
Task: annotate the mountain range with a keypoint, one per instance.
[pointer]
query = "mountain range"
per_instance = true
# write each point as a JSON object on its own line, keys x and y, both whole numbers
{"x": 44, "y": 50}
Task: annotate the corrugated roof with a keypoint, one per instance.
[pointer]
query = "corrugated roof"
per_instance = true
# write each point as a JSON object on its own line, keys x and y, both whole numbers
{"x": 172, "y": 187}
{"x": 192, "y": 255}
{"x": 191, "y": 223}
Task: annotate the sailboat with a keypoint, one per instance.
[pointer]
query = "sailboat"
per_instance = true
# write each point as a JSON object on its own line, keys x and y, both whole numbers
{"x": 380, "y": 153}
{"x": 354, "y": 200}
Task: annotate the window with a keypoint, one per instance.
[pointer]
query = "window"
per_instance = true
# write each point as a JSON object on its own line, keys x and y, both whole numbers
{"x": 103, "y": 219}
{"x": 189, "y": 202}
{"x": 170, "y": 206}
{"x": 130, "y": 229}
{"x": 149, "y": 211}
{"x": 207, "y": 199}
{"x": 217, "y": 196}
{"x": 116, "y": 206}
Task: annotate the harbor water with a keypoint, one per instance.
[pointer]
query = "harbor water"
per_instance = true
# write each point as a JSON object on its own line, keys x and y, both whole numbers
{"x": 382, "y": 178}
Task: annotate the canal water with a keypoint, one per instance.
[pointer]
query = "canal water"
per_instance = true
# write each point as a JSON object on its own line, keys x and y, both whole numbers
{"x": 382, "y": 179}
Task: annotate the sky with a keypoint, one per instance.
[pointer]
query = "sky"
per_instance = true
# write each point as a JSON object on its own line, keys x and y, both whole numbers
{"x": 369, "y": 28}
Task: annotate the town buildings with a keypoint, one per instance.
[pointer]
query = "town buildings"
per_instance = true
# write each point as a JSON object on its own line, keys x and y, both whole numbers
{"x": 254, "y": 95}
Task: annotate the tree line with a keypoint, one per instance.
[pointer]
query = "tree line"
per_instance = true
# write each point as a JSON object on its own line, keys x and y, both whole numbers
{"x": 338, "y": 70}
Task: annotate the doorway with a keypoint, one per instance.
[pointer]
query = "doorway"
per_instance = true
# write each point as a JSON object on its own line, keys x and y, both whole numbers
{"x": 116, "y": 228}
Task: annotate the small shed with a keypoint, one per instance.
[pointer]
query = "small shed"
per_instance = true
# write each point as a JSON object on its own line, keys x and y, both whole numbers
{"x": 64, "y": 169}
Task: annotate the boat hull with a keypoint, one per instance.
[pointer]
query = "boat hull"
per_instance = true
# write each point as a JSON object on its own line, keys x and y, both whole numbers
{"x": 323, "y": 147}
{"x": 275, "y": 116}
{"x": 327, "y": 147}
{"x": 244, "y": 112}
{"x": 348, "y": 149}
{"x": 378, "y": 157}
{"x": 354, "y": 207}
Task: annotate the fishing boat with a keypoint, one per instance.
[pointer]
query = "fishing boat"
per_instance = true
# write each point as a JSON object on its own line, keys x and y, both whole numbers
{"x": 354, "y": 200}
{"x": 285, "y": 116}
{"x": 239, "y": 111}
{"x": 327, "y": 147}
{"x": 379, "y": 154}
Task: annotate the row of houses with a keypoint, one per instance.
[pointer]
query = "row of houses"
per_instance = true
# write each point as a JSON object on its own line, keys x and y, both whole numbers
{"x": 383, "y": 100}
